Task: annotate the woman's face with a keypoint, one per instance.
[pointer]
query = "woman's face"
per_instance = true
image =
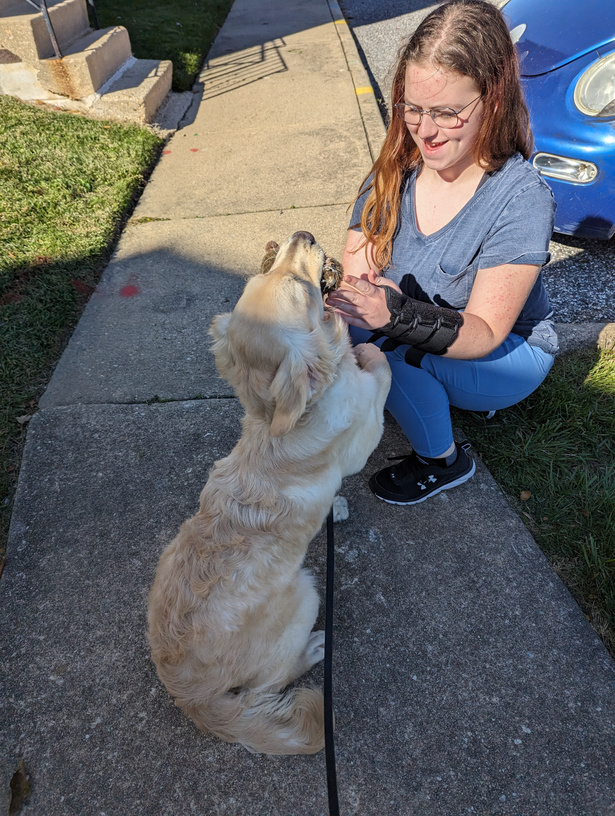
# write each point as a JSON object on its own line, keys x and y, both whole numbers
{"x": 448, "y": 151}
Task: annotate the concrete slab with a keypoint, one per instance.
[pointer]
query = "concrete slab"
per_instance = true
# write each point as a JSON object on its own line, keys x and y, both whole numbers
{"x": 144, "y": 332}
{"x": 466, "y": 678}
{"x": 303, "y": 144}
{"x": 249, "y": 23}
{"x": 308, "y": 69}
{"x": 193, "y": 184}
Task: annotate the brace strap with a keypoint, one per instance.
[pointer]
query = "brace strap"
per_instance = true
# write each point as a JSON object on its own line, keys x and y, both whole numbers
{"x": 425, "y": 326}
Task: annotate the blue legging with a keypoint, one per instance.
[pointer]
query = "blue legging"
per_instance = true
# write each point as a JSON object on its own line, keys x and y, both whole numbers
{"x": 420, "y": 398}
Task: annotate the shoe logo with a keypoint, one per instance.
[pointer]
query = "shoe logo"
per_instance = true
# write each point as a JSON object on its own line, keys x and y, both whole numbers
{"x": 430, "y": 478}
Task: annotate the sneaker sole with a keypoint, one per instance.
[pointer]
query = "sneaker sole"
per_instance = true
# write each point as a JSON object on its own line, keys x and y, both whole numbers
{"x": 447, "y": 486}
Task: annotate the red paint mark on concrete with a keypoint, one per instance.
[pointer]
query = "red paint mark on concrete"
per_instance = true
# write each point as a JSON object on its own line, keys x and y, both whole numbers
{"x": 165, "y": 152}
{"x": 129, "y": 291}
{"x": 194, "y": 150}
{"x": 81, "y": 287}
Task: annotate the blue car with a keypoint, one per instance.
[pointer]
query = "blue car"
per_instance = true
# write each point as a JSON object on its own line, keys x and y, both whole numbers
{"x": 567, "y": 54}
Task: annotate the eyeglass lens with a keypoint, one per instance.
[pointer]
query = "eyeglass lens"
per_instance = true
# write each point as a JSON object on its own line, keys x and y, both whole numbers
{"x": 442, "y": 117}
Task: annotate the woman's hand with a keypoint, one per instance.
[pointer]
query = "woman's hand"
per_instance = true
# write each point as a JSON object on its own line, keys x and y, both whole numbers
{"x": 361, "y": 301}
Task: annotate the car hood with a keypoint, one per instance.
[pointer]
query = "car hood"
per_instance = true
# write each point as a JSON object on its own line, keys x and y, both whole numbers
{"x": 559, "y": 31}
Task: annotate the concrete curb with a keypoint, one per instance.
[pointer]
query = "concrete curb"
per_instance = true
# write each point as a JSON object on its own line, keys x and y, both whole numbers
{"x": 575, "y": 336}
{"x": 375, "y": 130}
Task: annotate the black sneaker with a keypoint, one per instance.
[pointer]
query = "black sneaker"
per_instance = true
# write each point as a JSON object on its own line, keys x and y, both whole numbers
{"x": 414, "y": 478}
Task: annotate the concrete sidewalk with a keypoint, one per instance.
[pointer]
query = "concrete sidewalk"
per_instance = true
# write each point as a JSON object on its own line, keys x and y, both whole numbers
{"x": 467, "y": 680}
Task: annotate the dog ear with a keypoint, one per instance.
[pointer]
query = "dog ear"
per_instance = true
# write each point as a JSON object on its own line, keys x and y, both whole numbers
{"x": 289, "y": 391}
{"x": 220, "y": 347}
{"x": 300, "y": 378}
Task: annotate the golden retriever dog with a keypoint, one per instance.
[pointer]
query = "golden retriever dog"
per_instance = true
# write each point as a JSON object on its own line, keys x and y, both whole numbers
{"x": 231, "y": 610}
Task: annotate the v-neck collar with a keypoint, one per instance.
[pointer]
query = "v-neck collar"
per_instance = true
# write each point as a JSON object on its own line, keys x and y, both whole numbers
{"x": 412, "y": 179}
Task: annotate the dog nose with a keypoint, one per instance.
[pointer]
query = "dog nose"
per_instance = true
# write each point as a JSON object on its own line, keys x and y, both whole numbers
{"x": 307, "y": 236}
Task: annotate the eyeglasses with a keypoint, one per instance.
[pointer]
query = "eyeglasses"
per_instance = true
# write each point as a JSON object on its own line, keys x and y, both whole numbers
{"x": 442, "y": 117}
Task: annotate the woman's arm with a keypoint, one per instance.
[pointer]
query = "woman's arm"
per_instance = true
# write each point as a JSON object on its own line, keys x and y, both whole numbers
{"x": 497, "y": 297}
{"x": 357, "y": 260}
{"x": 496, "y": 300}
{"x": 359, "y": 301}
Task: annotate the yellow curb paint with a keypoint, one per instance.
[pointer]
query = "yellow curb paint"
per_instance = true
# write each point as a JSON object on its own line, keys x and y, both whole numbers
{"x": 364, "y": 90}
{"x": 340, "y": 22}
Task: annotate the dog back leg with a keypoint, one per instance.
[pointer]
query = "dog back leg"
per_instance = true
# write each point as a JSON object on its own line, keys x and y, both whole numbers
{"x": 298, "y": 648}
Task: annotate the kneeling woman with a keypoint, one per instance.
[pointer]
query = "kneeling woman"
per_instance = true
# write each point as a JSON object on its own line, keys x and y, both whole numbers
{"x": 446, "y": 243}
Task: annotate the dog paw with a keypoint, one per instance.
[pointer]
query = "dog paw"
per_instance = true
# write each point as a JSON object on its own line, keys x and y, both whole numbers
{"x": 315, "y": 648}
{"x": 340, "y": 509}
{"x": 369, "y": 356}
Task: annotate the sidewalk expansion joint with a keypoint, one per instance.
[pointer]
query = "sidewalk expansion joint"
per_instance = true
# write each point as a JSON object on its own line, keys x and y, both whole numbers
{"x": 156, "y": 400}
{"x": 147, "y": 219}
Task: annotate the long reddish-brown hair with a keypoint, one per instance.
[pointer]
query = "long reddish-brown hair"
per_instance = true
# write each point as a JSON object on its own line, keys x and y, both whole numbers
{"x": 471, "y": 38}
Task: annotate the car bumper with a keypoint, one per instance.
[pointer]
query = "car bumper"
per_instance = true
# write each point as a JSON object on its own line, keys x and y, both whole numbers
{"x": 560, "y": 129}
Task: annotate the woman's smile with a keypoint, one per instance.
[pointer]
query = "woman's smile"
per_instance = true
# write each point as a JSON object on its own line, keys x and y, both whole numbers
{"x": 432, "y": 146}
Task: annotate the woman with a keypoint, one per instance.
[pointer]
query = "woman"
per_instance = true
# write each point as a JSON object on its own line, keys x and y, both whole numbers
{"x": 446, "y": 243}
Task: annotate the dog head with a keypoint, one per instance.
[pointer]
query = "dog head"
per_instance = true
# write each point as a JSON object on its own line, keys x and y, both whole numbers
{"x": 280, "y": 348}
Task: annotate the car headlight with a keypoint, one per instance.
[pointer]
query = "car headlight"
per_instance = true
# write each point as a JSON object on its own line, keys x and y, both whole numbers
{"x": 594, "y": 93}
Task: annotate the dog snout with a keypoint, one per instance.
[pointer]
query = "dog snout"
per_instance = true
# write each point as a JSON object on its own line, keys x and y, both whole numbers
{"x": 307, "y": 236}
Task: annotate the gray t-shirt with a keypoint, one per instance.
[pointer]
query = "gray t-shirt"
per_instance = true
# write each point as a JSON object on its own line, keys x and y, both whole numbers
{"x": 509, "y": 219}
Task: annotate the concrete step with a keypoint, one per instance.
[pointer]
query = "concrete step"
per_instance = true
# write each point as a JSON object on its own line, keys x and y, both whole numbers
{"x": 23, "y": 30}
{"x": 87, "y": 64}
{"x": 97, "y": 73}
{"x": 134, "y": 94}
{"x": 137, "y": 93}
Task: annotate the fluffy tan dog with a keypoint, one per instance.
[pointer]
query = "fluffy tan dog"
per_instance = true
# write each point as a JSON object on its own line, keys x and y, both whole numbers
{"x": 231, "y": 610}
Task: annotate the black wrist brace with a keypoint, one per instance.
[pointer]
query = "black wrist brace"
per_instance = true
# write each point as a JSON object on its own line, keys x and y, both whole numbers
{"x": 427, "y": 327}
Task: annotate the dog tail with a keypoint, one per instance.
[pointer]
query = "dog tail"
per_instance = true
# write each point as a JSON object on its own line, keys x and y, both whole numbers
{"x": 291, "y": 722}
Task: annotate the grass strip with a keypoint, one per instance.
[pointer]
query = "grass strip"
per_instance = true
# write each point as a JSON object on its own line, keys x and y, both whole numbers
{"x": 66, "y": 184}
{"x": 554, "y": 457}
{"x": 179, "y": 30}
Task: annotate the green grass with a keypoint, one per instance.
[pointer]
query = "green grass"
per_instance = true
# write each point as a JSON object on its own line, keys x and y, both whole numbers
{"x": 179, "y": 30}
{"x": 66, "y": 185}
{"x": 554, "y": 456}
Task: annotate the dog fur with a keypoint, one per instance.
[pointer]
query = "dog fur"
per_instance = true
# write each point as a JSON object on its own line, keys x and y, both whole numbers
{"x": 231, "y": 610}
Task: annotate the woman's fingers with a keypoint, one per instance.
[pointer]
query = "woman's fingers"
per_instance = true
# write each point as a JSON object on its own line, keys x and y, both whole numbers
{"x": 359, "y": 300}
{"x": 365, "y": 287}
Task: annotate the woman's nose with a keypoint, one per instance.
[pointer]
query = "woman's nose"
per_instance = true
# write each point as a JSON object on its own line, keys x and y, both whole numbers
{"x": 427, "y": 126}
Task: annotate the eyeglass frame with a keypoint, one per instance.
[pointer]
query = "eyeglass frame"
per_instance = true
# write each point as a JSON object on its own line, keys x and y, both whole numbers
{"x": 399, "y": 106}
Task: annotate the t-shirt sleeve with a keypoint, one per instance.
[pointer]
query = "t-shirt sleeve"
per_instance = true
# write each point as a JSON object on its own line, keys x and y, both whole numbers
{"x": 523, "y": 230}
{"x": 357, "y": 210}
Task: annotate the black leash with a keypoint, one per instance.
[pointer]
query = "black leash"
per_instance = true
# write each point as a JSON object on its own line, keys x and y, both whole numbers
{"x": 334, "y": 807}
